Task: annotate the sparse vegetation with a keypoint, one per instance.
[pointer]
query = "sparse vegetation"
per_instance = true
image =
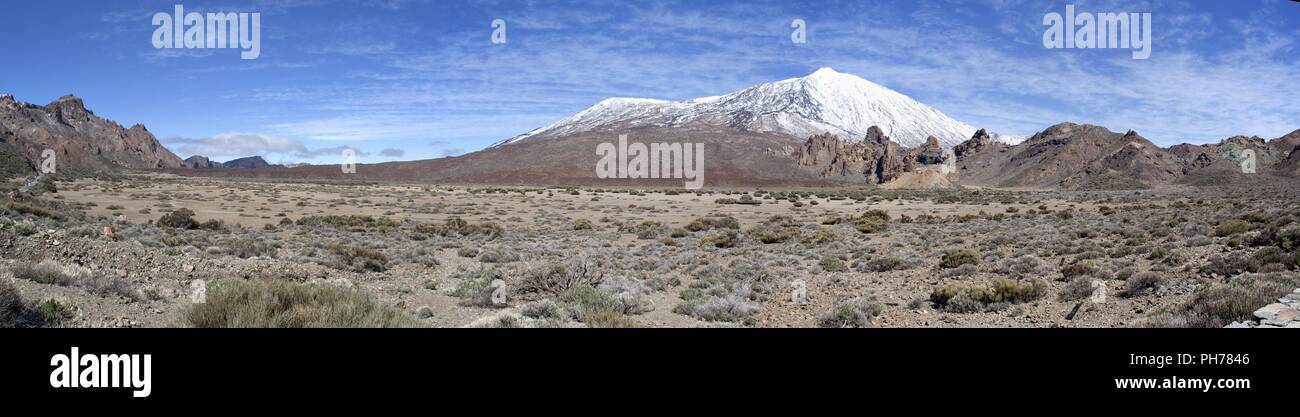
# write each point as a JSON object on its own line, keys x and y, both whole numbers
{"x": 954, "y": 258}
{"x": 281, "y": 304}
{"x": 974, "y": 298}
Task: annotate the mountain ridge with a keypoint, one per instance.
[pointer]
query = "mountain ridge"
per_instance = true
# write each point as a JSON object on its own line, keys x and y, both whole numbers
{"x": 825, "y": 101}
{"x": 81, "y": 140}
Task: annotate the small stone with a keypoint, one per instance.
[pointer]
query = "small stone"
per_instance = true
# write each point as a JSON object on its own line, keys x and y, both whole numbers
{"x": 1269, "y": 311}
{"x": 424, "y": 312}
{"x": 1237, "y": 325}
{"x": 108, "y": 232}
{"x": 187, "y": 268}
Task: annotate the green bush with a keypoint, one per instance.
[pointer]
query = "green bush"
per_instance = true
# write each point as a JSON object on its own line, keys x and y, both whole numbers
{"x": 872, "y": 221}
{"x": 236, "y": 303}
{"x": 54, "y": 313}
{"x": 1232, "y": 227}
{"x": 832, "y": 265}
{"x": 179, "y": 219}
{"x": 1142, "y": 283}
{"x": 855, "y": 314}
{"x": 360, "y": 259}
{"x": 771, "y": 233}
{"x": 720, "y": 239}
{"x": 588, "y": 303}
{"x": 972, "y": 298}
{"x": 953, "y": 258}
{"x": 710, "y": 223}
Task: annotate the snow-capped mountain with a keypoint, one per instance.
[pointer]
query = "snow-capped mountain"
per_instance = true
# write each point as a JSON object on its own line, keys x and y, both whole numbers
{"x": 824, "y": 101}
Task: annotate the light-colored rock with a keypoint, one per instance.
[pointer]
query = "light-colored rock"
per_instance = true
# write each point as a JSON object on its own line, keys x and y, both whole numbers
{"x": 1287, "y": 314}
{"x": 1269, "y": 311}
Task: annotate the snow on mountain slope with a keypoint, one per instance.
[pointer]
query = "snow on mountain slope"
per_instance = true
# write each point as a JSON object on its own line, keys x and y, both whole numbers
{"x": 824, "y": 101}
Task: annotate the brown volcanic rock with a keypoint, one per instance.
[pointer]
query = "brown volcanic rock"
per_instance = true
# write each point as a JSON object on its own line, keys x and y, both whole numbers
{"x": 247, "y": 162}
{"x": 829, "y": 156}
{"x": 1291, "y": 165}
{"x": 875, "y": 158}
{"x": 930, "y": 153}
{"x": 977, "y": 143}
{"x": 82, "y": 141}
{"x": 1071, "y": 156}
{"x": 200, "y": 162}
{"x": 1285, "y": 146}
{"x": 891, "y": 161}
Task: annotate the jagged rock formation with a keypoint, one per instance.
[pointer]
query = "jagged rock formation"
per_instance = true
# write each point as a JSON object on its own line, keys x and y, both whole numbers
{"x": 82, "y": 142}
{"x": 201, "y": 162}
{"x": 930, "y": 153}
{"x": 876, "y": 158}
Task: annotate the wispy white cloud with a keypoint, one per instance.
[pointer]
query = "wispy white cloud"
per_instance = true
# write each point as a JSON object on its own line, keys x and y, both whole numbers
{"x": 238, "y": 145}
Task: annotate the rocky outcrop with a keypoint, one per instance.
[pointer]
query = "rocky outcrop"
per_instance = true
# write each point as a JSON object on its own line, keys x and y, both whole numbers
{"x": 1285, "y": 145}
{"x": 930, "y": 153}
{"x": 201, "y": 162}
{"x": 82, "y": 142}
{"x": 976, "y": 143}
{"x": 875, "y": 158}
{"x": 831, "y": 157}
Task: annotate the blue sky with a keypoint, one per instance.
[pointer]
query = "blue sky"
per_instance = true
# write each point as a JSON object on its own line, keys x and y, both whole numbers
{"x": 400, "y": 80}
